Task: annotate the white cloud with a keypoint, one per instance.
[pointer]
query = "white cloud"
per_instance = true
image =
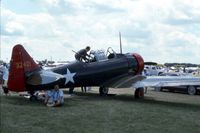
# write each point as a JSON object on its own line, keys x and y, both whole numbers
{"x": 52, "y": 2}
{"x": 162, "y": 31}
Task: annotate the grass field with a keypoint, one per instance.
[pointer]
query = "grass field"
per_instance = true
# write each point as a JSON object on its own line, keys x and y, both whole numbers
{"x": 89, "y": 113}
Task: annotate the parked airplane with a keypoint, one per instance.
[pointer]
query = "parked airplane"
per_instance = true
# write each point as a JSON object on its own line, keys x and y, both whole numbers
{"x": 115, "y": 70}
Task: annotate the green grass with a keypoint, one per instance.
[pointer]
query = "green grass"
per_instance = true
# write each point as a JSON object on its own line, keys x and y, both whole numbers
{"x": 89, "y": 113}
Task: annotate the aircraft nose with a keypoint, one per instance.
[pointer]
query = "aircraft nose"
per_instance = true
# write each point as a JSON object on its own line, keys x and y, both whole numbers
{"x": 140, "y": 62}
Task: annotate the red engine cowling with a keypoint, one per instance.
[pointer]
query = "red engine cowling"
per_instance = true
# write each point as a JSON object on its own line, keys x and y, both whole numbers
{"x": 140, "y": 63}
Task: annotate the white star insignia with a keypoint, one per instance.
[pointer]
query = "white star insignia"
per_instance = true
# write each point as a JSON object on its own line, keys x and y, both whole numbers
{"x": 69, "y": 76}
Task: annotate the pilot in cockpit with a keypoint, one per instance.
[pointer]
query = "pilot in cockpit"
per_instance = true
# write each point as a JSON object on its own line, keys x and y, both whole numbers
{"x": 82, "y": 55}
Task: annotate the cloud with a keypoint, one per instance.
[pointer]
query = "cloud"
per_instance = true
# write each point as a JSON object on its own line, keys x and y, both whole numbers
{"x": 8, "y": 26}
{"x": 12, "y": 29}
{"x": 162, "y": 31}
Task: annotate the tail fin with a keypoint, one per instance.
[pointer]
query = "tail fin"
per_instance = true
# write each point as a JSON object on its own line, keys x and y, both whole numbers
{"x": 21, "y": 63}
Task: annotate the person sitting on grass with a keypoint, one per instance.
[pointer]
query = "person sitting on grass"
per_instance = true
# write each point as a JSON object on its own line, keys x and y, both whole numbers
{"x": 54, "y": 97}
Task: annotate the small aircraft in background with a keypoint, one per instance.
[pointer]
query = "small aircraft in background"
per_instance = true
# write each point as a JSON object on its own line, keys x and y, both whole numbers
{"x": 113, "y": 69}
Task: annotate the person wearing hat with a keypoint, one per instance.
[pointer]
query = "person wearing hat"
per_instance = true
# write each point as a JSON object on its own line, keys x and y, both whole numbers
{"x": 82, "y": 54}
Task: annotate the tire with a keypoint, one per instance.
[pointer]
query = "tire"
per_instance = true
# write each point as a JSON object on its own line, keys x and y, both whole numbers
{"x": 191, "y": 90}
{"x": 103, "y": 91}
{"x": 139, "y": 93}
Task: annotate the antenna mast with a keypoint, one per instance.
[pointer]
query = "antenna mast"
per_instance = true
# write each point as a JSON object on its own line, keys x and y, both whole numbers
{"x": 120, "y": 41}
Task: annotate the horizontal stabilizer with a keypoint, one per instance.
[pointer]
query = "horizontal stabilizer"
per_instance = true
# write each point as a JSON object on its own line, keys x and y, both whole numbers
{"x": 45, "y": 80}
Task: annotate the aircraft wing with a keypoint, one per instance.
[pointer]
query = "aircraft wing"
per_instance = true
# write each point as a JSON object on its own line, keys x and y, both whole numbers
{"x": 123, "y": 81}
{"x": 167, "y": 81}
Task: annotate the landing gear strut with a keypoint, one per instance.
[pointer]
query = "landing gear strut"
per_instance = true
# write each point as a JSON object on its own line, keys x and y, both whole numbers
{"x": 71, "y": 90}
{"x": 103, "y": 91}
{"x": 139, "y": 93}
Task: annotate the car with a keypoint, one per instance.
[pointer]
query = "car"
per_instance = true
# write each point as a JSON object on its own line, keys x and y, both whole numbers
{"x": 189, "y": 89}
{"x": 151, "y": 70}
{"x": 174, "y": 74}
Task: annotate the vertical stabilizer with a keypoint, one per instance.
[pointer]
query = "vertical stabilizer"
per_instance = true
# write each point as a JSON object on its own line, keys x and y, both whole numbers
{"x": 21, "y": 63}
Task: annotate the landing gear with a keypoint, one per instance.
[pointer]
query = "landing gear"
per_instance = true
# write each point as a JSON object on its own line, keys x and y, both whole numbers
{"x": 103, "y": 91}
{"x": 71, "y": 90}
{"x": 139, "y": 93}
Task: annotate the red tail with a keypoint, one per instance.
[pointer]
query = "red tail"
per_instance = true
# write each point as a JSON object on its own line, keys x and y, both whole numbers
{"x": 21, "y": 62}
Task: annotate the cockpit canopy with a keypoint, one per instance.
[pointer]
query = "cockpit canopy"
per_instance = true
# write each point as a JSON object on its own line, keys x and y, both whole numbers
{"x": 101, "y": 55}
{"x": 98, "y": 55}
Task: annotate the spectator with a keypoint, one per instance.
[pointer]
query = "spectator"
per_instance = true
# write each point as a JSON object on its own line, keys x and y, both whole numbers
{"x": 54, "y": 97}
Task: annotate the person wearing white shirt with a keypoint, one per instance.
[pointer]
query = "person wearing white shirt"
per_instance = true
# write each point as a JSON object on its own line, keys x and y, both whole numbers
{"x": 54, "y": 97}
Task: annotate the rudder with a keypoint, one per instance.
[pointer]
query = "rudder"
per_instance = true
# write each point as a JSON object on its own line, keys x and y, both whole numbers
{"x": 21, "y": 63}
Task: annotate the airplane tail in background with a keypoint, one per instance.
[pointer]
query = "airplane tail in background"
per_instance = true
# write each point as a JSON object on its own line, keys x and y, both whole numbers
{"x": 20, "y": 64}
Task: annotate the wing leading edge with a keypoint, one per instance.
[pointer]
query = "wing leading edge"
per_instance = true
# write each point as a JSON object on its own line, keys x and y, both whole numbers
{"x": 123, "y": 81}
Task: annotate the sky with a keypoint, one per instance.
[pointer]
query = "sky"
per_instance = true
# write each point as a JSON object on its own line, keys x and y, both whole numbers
{"x": 159, "y": 30}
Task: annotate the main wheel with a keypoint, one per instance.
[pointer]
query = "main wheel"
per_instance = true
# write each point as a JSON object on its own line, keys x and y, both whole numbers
{"x": 103, "y": 91}
{"x": 139, "y": 93}
{"x": 191, "y": 90}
